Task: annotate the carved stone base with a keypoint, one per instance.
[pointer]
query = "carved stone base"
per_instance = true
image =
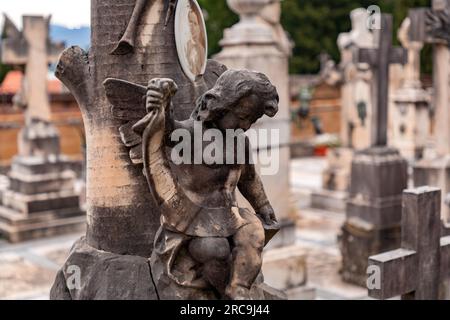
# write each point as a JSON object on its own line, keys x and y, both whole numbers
{"x": 108, "y": 276}
{"x": 374, "y": 206}
{"x": 360, "y": 240}
{"x": 40, "y": 199}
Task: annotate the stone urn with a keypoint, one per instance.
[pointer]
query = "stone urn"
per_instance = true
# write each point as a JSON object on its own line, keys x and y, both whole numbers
{"x": 248, "y": 28}
{"x": 247, "y": 8}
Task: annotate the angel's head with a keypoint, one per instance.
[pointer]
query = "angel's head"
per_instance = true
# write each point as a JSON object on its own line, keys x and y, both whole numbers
{"x": 238, "y": 100}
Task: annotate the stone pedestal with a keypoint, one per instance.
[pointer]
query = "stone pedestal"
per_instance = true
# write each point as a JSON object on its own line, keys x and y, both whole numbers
{"x": 373, "y": 217}
{"x": 435, "y": 172}
{"x": 40, "y": 199}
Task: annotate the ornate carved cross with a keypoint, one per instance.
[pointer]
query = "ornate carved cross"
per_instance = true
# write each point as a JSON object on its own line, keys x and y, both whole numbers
{"x": 379, "y": 60}
{"x": 32, "y": 49}
{"x": 419, "y": 267}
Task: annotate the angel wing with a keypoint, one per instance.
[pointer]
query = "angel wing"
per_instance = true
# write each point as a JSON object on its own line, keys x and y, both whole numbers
{"x": 128, "y": 104}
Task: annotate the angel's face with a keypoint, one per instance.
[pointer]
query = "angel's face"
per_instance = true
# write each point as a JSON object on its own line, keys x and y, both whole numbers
{"x": 243, "y": 115}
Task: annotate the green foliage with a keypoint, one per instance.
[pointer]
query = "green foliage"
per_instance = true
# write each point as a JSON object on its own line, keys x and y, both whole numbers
{"x": 3, "y": 71}
{"x": 3, "y": 68}
{"x": 314, "y": 25}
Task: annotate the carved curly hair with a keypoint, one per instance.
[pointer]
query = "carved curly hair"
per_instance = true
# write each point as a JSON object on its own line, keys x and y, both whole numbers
{"x": 230, "y": 88}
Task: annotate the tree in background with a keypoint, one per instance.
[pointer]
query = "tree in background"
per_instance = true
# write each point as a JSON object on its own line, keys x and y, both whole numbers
{"x": 314, "y": 25}
{"x": 3, "y": 71}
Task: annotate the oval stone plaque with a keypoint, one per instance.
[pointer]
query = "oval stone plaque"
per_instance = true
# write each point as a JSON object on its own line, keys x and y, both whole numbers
{"x": 191, "y": 39}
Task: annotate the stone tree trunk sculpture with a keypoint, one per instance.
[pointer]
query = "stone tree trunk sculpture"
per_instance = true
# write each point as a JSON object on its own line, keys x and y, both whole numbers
{"x": 131, "y": 40}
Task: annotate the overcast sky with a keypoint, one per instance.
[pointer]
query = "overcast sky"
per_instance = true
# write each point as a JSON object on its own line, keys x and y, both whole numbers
{"x": 69, "y": 13}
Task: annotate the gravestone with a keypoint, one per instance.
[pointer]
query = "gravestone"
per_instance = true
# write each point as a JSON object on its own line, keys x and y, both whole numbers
{"x": 431, "y": 26}
{"x": 41, "y": 199}
{"x": 411, "y": 113}
{"x": 420, "y": 269}
{"x": 259, "y": 42}
{"x": 378, "y": 174}
{"x": 133, "y": 42}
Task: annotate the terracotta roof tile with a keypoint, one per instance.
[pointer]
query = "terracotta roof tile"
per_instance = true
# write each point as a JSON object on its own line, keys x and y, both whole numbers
{"x": 12, "y": 83}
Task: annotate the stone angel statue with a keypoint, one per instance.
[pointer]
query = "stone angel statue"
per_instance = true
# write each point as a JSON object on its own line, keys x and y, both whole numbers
{"x": 207, "y": 247}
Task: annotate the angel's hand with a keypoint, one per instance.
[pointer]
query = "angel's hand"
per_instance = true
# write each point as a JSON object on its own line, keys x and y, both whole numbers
{"x": 267, "y": 215}
{"x": 154, "y": 98}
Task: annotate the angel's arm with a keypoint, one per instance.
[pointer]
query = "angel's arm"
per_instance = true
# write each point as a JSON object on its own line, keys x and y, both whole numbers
{"x": 251, "y": 187}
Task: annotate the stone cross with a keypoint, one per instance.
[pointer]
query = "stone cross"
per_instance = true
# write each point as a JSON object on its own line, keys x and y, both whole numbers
{"x": 31, "y": 49}
{"x": 421, "y": 265}
{"x": 356, "y": 79}
{"x": 379, "y": 59}
{"x": 433, "y": 26}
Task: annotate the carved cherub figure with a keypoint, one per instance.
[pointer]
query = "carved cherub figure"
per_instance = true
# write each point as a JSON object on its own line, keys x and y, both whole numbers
{"x": 206, "y": 241}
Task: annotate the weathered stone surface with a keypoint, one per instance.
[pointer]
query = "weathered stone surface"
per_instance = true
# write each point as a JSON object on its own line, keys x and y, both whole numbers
{"x": 104, "y": 276}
